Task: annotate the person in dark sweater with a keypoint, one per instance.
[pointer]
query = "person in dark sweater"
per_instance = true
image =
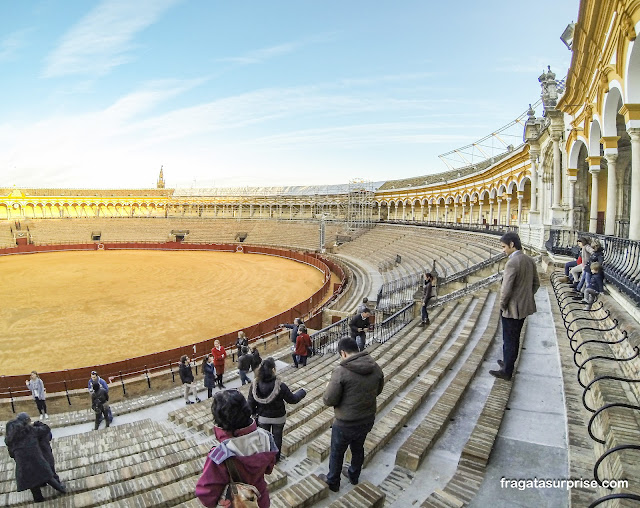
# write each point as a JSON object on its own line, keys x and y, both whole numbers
{"x": 256, "y": 360}
{"x": 293, "y": 327}
{"x": 186, "y": 376}
{"x": 267, "y": 397}
{"x": 427, "y": 294}
{"x": 244, "y": 365}
{"x": 595, "y": 285}
{"x": 100, "y": 404}
{"x": 209, "y": 375}
{"x": 359, "y": 325}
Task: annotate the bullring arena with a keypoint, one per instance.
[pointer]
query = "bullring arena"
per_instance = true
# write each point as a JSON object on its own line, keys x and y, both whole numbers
{"x": 152, "y": 274}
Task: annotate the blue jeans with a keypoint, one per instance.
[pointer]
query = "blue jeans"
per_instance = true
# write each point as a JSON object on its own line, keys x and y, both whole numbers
{"x": 341, "y": 439}
{"x": 361, "y": 341}
{"x": 584, "y": 279}
{"x": 511, "y": 329}
{"x": 568, "y": 266}
{"x": 425, "y": 313}
{"x": 302, "y": 360}
{"x": 243, "y": 377}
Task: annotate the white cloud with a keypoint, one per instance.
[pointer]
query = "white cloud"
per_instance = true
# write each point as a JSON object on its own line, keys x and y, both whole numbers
{"x": 102, "y": 40}
{"x": 263, "y": 54}
{"x": 12, "y": 43}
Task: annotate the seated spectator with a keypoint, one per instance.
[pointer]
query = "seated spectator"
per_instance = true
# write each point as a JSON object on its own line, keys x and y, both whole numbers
{"x": 585, "y": 253}
{"x": 244, "y": 365}
{"x": 266, "y": 400}
{"x": 594, "y": 286}
{"x": 33, "y": 470}
{"x": 303, "y": 345}
{"x": 596, "y": 255}
{"x": 572, "y": 264}
{"x": 251, "y": 450}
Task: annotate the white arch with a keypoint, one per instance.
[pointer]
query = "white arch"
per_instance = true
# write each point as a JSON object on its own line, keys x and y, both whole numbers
{"x": 523, "y": 182}
{"x": 510, "y": 187}
{"x": 502, "y": 189}
{"x": 612, "y": 101}
{"x": 574, "y": 152}
{"x": 632, "y": 72}
{"x": 595, "y": 133}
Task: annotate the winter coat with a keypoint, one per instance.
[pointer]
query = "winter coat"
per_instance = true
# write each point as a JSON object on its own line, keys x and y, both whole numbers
{"x": 99, "y": 399}
{"x": 209, "y": 375}
{"x": 254, "y": 454}
{"x": 244, "y": 363}
{"x": 241, "y": 342}
{"x": 37, "y": 388}
{"x": 44, "y": 441}
{"x": 32, "y": 468}
{"x": 596, "y": 282}
{"x": 358, "y": 322}
{"x": 352, "y": 390}
{"x": 218, "y": 359}
{"x": 102, "y": 382}
{"x": 597, "y": 256}
{"x": 186, "y": 375}
{"x": 256, "y": 360}
{"x": 267, "y": 398}
{"x": 302, "y": 343}
{"x": 427, "y": 292}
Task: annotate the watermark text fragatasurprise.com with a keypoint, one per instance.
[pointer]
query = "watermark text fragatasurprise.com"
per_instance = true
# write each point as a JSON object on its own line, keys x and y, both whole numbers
{"x": 559, "y": 483}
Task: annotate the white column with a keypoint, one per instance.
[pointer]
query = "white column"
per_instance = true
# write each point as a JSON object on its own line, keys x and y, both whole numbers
{"x": 573, "y": 178}
{"x": 557, "y": 176}
{"x": 480, "y": 203}
{"x": 520, "y": 197}
{"x": 429, "y": 212}
{"x": 612, "y": 194}
{"x": 404, "y": 211}
{"x": 471, "y": 213}
{"x": 593, "y": 215}
{"x": 634, "y": 210}
{"x": 413, "y": 211}
{"x": 379, "y": 212}
{"x": 534, "y": 184}
{"x": 508, "y": 221}
{"x": 437, "y": 212}
{"x": 499, "y": 200}
{"x": 446, "y": 212}
{"x": 490, "y": 211}
{"x": 462, "y": 214}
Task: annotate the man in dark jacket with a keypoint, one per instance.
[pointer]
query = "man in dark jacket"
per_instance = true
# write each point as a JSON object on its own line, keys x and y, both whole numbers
{"x": 99, "y": 404}
{"x": 32, "y": 469}
{"x": 359, "y": 325}
{"x": 352, "y": 392}
{"x": 427, "y": 294}
{"x": 244, "y": 365}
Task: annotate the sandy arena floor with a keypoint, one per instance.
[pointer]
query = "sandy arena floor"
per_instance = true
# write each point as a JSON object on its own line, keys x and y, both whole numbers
{"x": 75, "y": 309}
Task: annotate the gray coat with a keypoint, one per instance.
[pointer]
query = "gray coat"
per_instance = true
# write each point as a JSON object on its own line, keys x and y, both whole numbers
{"x": 519, "y": 283}
{"x": 355, "y": 383}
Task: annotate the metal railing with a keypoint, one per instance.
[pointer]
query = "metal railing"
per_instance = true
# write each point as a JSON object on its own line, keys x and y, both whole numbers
{"x": 621, "y": 258}
{"x": 493, "y": 229}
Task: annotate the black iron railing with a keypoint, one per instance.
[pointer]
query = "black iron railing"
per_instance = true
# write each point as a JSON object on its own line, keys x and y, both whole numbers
{"x": 621, "y": 258}
{"x": 382, "y": 332}
{"x": 493, "y": 229}
{"x": 325, "y": 341}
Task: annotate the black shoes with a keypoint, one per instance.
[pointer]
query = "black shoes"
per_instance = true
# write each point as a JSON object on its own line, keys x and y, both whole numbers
{"x": 189, "y": 402}
{"x": 345, "y": 472}
{"x": 501, "y": 363}
{"x": 500, "y": 374}
{"x": 332, "y": 487}
{"x": 198, "y": 400}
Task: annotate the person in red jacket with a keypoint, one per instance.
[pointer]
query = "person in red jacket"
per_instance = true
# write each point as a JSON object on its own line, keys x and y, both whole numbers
{"x": 303, "y": 344}
{"x": 252, "y": 450}
{"x": 219, "y": 354}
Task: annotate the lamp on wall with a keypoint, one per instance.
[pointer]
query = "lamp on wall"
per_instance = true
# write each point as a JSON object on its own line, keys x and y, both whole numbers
{"x": 567, "y": 35}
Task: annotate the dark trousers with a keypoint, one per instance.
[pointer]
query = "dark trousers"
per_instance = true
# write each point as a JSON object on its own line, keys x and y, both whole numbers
{"x": 275, "y": 429}
{"x": 341, "y": 439}
{"x": 425, "y": 314}
{"x": 109, "y": 416}
{"x": 209, "y": 392}
{"x": 511, "y": 329}
{"x": 568, "y": 266}
{"x": 37, "y": 493}
{"x": 102, "y": 412}
{"x": 361, "y": 340}
{"x": 42, "y": 406}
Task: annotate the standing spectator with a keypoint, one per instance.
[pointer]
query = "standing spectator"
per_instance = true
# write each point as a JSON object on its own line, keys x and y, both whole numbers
{"x": 266, "y": 399}
{"x": 355, "y": 383}
{"x": 44, "y": 441}
{"x": 244, "y": 365}
{"x": 186, "y": 376}
{"x": 427, "y": 294}
{"x": 219, "y": 354}
{"x": 242, "y": 341}
{"x": 36, "y": 386}
{"x": 249, "y": 449}
{"x": 303, "y": 345}
{"x": 363, "y": 306}
{"x": 294, "y": 328}
{"x": 359, "y": 325}
{"x": 100, "y": 404}
{"x": 96, "y": 378}
{"x": 32, "y": 469}
{"x": 209, "y": 374}
{"x": 594, "y": 285}
{"x": 255, "y": 360}
{"x": 519, "y": 285}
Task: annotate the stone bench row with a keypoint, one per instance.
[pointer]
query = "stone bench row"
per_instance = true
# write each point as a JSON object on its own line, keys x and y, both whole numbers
{"x": 415, "y": 448}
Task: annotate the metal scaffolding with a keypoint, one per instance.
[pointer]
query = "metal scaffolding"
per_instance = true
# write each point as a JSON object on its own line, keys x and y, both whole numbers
{"x": 360, "y": 203}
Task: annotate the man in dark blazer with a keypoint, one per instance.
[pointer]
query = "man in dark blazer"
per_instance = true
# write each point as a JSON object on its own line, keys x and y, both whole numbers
{"x": 519, "y": 284}
{"x": 359, "y": 325}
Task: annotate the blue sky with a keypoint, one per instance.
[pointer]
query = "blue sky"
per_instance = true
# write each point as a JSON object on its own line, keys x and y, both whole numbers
{"x": 101, "y": 94}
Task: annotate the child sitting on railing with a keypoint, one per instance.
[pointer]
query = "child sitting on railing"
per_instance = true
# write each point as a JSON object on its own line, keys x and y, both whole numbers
{"x": 595, "y": 285}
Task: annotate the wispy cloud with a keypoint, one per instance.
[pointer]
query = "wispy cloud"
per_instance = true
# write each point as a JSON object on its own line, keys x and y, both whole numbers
{"x": 531, "y": 65}
{"x": 103, "y": 39}
{"x": 12, "y": 43}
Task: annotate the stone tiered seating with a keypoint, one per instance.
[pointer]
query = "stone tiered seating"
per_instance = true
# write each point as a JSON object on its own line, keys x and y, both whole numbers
{"x": 6, "y": 236}
{"x": 597, "y": 340}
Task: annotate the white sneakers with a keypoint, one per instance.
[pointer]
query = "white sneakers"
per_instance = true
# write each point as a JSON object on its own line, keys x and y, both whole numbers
{"x": 41, "y": 416}
{"x": 46, "y": 416}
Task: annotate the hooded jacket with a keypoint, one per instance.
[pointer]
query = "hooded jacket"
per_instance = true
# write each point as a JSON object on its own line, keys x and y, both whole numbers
{"x": 186, "y": 375}
{"x": 32, "y": 468}
{"x": 267, "y": 398}
{"x": 355, "y": 383}
{"x": 254, "y": 452}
